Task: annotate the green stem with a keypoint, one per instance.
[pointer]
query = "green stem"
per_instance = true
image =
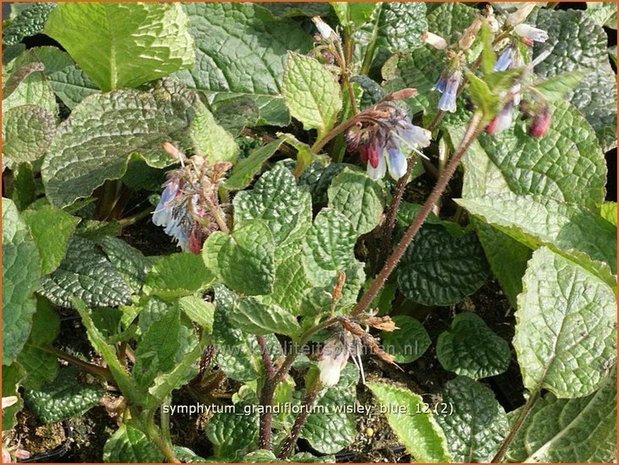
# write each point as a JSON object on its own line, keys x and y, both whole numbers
{"x": 371, "y": 49}
{"x": 474, "y": 129}
{"x": 129, "y": 220}
{"x": 524, "y": 413}
{"x": 164, "y": 446}
{"x": 91, "y": 368}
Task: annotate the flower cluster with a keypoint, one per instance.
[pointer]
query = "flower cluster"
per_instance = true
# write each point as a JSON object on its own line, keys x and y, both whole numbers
{"x": 189, "y": 208}
{"x": 384, "y": 136}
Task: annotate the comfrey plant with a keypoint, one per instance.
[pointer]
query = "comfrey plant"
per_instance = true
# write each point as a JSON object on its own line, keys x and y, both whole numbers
{"x": 274, "y": 236}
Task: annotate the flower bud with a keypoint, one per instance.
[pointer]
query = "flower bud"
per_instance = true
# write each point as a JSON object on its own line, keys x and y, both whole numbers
{"x": 434, "y": 40}
{"x": 468, "y": 37}
{"x": 531, "y": 33}
{"x": 541, "y": 123}
{"x": 325, "y": 30}
{"x": 502, "y": 121}
{"x": 521, "y": 14}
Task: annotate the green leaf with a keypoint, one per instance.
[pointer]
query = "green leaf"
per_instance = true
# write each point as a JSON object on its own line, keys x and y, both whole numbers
{"x": 113, "y": 46}
{"x": 451, "y": 19}
{"x": 11, "y": 377}
{"x": 576, "y": 43}
{"x": 483, "y": 97}
{"x": 178, "y": 275}
{"x": 353, "y": 15}
{"x": 28, "y": 21}
{"x": 108, "y": 352}
{"x": 246, "y": 169}
{"x": 311, "y": 92}
{"x": 565, "y": 327}
{"x": 608, "y": 210}
{"x": 232, "y": 434}
{"x": 130, "y": 445}
{"x": 51, "y": 229}
{"x": 89, "y": 149}
{"x": 211, "y": 140}
{"x": 440, "y": 269}
{"x": 40, "y": 366}
{"x": 243, "y": 260}
{"x": 535, "y": 221}
{"x": 86, "y": 273}
{"x": 416, "y": 430}
{"x": 358, "y": 198}
{"x": 198, "y": 310}
{"x": 478, "y": 424}
{"x": 408, "y": 342}
{"x": 275, "y": 199}
{"x": 27, "y": 85}
{"x": 241, "y": 50}
{"x": 128, "y": 260}
{"x": 26, "y": 133}
{"x": 329, "y": 429}
{"x": 328, "y": 247}
{"x": 582, "y": 430}
{"x": 603, "y": 13}
{"x": 21, "y": 271}
{"x": 256, "y": 317}
{"x": 64, "y": 398}
{"x": 557, "y": 87}
{"x": 470, "y": 348}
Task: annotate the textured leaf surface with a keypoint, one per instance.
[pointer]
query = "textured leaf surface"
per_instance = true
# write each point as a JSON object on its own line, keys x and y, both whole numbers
{"x": 450, "y": 19}
{"x": 576, "y": 43}
{"x": 328, "y": 247}
{"x": 123, "y": 44}
{"x": 178, "y": 275}
{"x": 439, "y": 269}
{"x": 276, "y": 200}
{"x": 27, "y": 132}
{"x": 408, "y": 342}
{"x": 95, "y": 142}
{"x": 87, "y": 274}
{"x": 231, "y": 435}
{"x": 241, "y": 50}
{"x": 478, "y": 424}
{"x": 128, "y": 260}
{"x": 358, "y": 198}
{"x": 470, "y": 348}
{"x": 255, "y": 317}
{"x": 11, "y": 376}
{"x": 198, "y": 310}
{"x": 418, "y": 432}
{"x": 603, "y": 13}
{"x": 29, "y": 21}
{"x": 535, "y": 221}
{"x": 244, "y": 260}
{"x": 64, "y": 398}
{"x": 565, "y": 327}
{"x": 353, "y": 15}
{"x": 130, "y": 445}
{"x": 582, "y": 430}
{"x": 211, "y": 140}
{"x": 244, "y": 171}
{"x": 311, "y": 92}
{"x": 51, "y": 229}
{"x": 21, "y": 271}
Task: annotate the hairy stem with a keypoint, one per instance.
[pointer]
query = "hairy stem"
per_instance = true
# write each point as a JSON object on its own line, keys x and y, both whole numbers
{"x": 524, "y": 413}
{"x": 91, "y": 368}
{"x": 129, "y": 220}
{"x": 474, "y": 129}
{"x": 266, "y": 359}
{"x": 160, "y": 442}
{"x": 299, "y": 422}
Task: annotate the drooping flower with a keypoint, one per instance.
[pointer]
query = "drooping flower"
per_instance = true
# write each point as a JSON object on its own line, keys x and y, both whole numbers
{"x": 384, "y": 137}
{"x": 434, "y": 40}
{"x": 541, "y": 122}
{"x": 531, "y": 33}
{"x": 333, "y": 358}
{"x": 503, "y": 120}
{"x": 326, "y": 32}
{"x": 448, "y": 85}
{"x": 189, "y": 208}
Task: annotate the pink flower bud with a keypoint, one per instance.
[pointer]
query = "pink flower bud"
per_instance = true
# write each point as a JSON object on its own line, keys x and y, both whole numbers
{"x": 541, "y": 123}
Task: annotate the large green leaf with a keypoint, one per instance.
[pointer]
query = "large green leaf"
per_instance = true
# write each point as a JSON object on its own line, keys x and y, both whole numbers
{"x": 439, "y": 269}
{"x": 408, "y": 342}
{"x": 415, "y": 427}
{"x": 243, "y": 260}
{"x": 535, "y": 220}
{"x": 130, "y": 445}
{"x": 359, "y": 198}
{"x": 124, "y": 44}
{"x": 565, "y": 327}
{"x": 66, "y": 397}
{"x": 128, "y": 260}
{"x": 254, "y": 316}
{"x": 244, "y": 171}
{"x": 51, "y": 229}
{"x": 581, "y": 430}
{"x": 240, "y": 51}
{"x": 275, "y": 199}
{"x": 311, "y": 92}
{"x": 26, "y": 21}
{"x": 85, "y": 273}
{"x": 232, "y": 433}
{"x": 603, "y": 13}
{"x": 11, "y": 377}
{"x": 478, "y": 424}
{"x": 451, "y": 19}
{"x": 27, "y": 131}
{"x": 576, "y": 43}
{"x": 470, "y": 348}
{"x": 353, "y": 15}
{"x": 21, "y": 271}
{"x": 178, "y": 275}
{"x": 212, "y": 141}
{"x": 90, "y": 146}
